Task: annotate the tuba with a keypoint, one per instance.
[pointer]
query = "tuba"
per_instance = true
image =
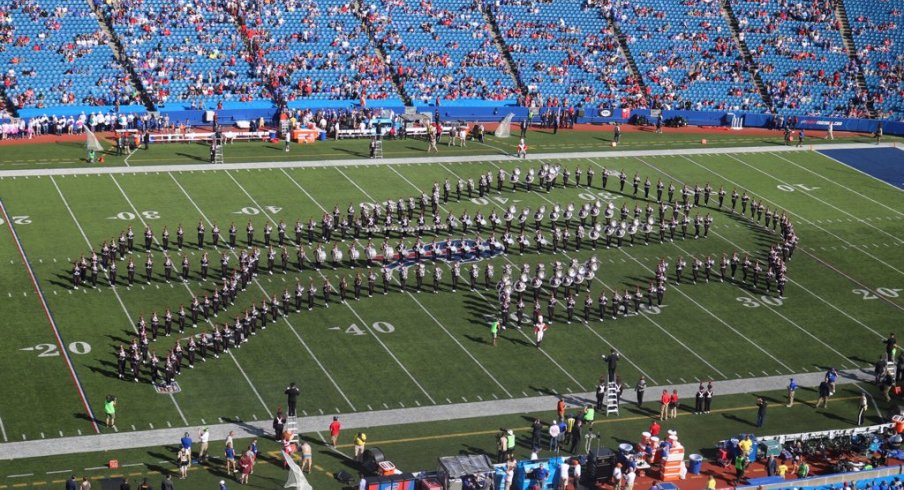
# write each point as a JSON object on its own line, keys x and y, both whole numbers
{"x": 321, "y": 255}
{"x": 622, "y": 228}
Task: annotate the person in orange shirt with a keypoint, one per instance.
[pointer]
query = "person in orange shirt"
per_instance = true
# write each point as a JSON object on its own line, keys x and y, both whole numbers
{"x": 673, "y": 404}
{"x": 560, "y": 409}
{"x": 664, "y": 407}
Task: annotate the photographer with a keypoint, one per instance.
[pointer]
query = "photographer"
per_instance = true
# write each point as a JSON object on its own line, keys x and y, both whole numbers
{"x": 110, "y": 411}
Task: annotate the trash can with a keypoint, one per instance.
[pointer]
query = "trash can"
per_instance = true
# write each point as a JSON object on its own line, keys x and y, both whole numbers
{"x": 695, "y": 464}
{"x": 899, "y": 423}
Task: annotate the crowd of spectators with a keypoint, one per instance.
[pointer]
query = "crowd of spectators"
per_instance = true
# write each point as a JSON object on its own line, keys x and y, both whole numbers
{"x": 801, "y": 56}
{"x": 53, "y": 53}
{"x": 190, "y": 50}
{"x": 686, "y": 54}
{"x": 879, "y": 42}
{"x": 307, "y": 49}
{"x": 441, "y": 49}
{"x": 566, "y": 54}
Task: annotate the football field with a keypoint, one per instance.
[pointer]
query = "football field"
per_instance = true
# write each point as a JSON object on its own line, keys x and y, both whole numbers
{"x": 845, "y": 289}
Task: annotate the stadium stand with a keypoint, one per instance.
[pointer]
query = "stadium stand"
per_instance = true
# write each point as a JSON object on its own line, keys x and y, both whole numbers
{"x": 880, "y": 50}
{"x": 441, "y": 50}
{"x": 566, "y": 53}
{"x": 191, "y": 52}
{"x": 801, "y": 56}
{"x": 316, "y": 50}
{"x": 686, "y": 55}
{"x": 55, "y": 53}
{"x": 338, "y": 54}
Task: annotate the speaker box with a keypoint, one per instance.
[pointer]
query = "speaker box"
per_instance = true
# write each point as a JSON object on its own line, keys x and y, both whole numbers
{"x": 601, "y": 464}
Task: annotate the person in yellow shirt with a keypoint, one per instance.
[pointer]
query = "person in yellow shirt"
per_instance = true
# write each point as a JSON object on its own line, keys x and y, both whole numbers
{"x": 782, "y": 469}
{"x": 360, "y": 440}
{"x": 745, "y": 446}
{"x": 711, "y": 483}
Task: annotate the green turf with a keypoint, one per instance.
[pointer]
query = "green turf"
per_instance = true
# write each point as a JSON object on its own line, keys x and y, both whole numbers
{"x": 438, "y": 349}
{"x": 72, "y": 154}
{"x": 416, "y": 447}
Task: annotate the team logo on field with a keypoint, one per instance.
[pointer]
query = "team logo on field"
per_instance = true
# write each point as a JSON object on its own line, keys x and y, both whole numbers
{"x": 168, "y": 389}
{"x": 464, "y": 251}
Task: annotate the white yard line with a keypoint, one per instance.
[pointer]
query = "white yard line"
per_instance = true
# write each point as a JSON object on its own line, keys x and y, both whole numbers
{"x": 438, "y": 323}
{"x": 609, "y": 344}
{"x": 115, "y": 291}
{"x": 811, "y": 196}
{"x": 3, "y": 430}
{"x": 647, "y": 317}
{"x": 364, "y": 324}
{"x": 861, "y": 250}
{"x": 190, "y": 292}
{"x": 739, "y": 248}
{"x": 744, "y": 290}
{"x": 291, "y": 326}
{"x": 839, "y": 184}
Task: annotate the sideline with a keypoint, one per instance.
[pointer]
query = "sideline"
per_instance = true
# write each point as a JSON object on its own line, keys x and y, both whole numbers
{"x": 382, "y": 418}
{"x": 702, "y": 150}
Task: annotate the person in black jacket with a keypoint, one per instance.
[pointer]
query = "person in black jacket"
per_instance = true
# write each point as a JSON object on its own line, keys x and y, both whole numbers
{"x": 292, "y": 393}
{"x": 279, "y": 424}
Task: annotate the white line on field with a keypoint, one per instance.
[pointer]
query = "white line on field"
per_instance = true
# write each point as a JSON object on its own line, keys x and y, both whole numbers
{"x": 192, "y": 294}
{"x": 743, "y": 290}
{"x": 57, "y": 472}
{"x": 810, "y": 195}
{"x": 597, "y": 279}
{"x": 422, "y": 307}
{"x": 291, "y": 326}
{"x": 3, "y": 429}
{"x": 115, "y": 290}
{"x": 365, "y": 325}
{"x": 859, "y": 249}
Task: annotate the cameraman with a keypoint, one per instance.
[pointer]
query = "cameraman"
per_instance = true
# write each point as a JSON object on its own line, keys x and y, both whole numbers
{"x": 110, "y": 411}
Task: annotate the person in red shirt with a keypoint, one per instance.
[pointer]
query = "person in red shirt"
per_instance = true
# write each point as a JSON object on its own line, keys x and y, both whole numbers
{"x": 654, "y": 429}
{"x": 335, "y": 426}
{"x": 673, "y": 404}
{"x": 664, "y": 407}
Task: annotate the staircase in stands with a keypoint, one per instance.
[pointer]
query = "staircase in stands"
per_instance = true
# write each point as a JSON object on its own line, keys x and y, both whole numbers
{"x": 501, "y": 46}
{"x": 360, "y": 12}
{"x": 851, "y": 48}
{"x": 120, "y": 53}
{"x": 753, "y": 66}
{"x": 626, "y": 52}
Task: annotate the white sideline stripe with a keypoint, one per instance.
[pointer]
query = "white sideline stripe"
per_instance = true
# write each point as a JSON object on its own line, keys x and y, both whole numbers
{"x": 506, "y": 257}
{"x": 115, "y": 290}
{"x": 291, "y": 326}
{"x": 810, "y": 195}
{"x": 859, "y": 249}
{"x": 21, "y": 475}
{"x": 745, "y": 291}
{"x": 364, "y": 324}
{"x": 57, "y": 472}
{"x": 3, "y": 429}
{"x": 143, "y": 222}
{"x": 864, "y": 173}
{"x": 204, "y": 167}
